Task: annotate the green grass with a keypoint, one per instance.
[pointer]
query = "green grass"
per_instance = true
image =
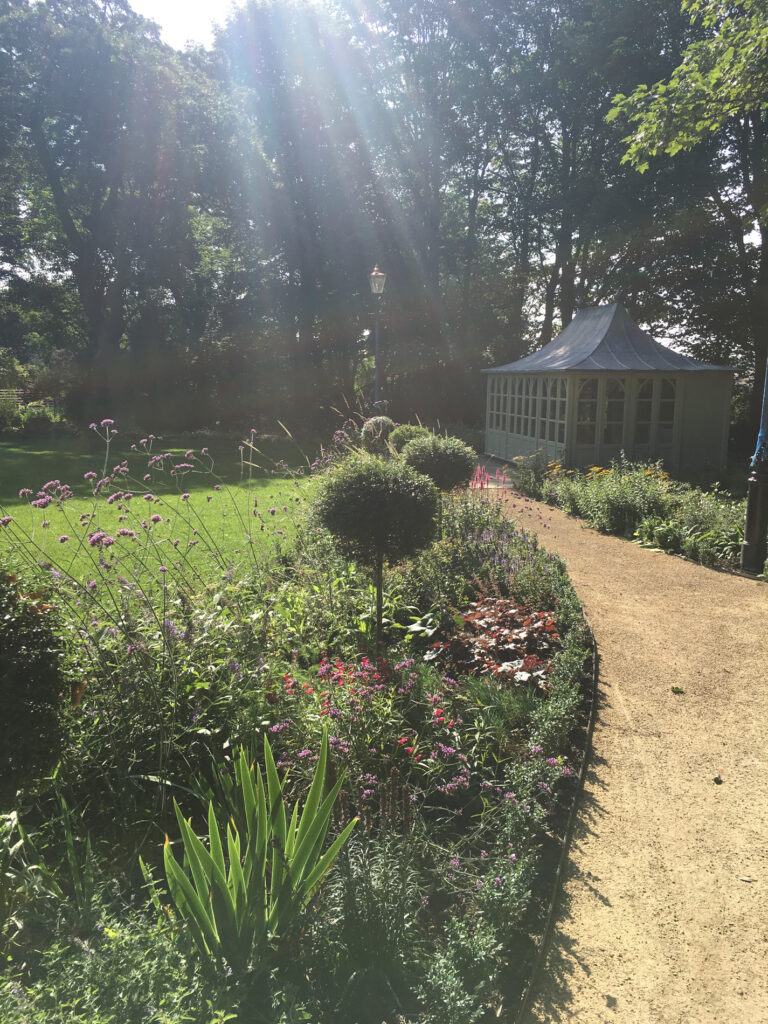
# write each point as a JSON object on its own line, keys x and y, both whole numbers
{"x": 32, "y": 463}
{"x": 236, "y": 508}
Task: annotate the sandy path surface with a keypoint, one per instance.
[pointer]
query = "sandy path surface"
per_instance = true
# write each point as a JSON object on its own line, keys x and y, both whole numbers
{"x": 664, "y": 915}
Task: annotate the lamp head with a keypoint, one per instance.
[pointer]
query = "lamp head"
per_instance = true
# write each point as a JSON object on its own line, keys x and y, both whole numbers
{"x": 378, "y": 279}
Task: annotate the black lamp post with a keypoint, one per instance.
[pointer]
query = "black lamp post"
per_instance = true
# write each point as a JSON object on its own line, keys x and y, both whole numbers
{"x": 753, "y": 550}
{"x": 378, "y": 279}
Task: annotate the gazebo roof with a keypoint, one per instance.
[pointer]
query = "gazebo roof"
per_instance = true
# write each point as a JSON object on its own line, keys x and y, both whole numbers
{"x": 604, "y": 338}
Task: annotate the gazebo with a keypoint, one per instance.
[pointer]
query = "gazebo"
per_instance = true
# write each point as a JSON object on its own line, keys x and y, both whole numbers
{"x": 604, "y": 386}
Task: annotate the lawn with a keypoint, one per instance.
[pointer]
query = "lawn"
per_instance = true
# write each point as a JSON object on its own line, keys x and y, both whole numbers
{"x": 232, "y": 502}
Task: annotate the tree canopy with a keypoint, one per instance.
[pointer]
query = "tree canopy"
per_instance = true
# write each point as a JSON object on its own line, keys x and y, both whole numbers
{"x": 195, "y": 228}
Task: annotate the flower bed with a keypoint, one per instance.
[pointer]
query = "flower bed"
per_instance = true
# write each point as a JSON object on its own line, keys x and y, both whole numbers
{"x": 640, "y": 500}
{"x": 450, "y": 750}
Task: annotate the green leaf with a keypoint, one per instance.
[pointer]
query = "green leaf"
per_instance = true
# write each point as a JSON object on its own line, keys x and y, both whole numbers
{"x": 217, "y": 852}
{"x": 189, "y": 904}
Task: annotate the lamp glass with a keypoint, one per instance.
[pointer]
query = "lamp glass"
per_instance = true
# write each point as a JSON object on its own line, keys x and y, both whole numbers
{"x": 378, "y": 279}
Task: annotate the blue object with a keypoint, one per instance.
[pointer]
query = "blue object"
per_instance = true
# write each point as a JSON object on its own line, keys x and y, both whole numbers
{"x": 761, "y": 452}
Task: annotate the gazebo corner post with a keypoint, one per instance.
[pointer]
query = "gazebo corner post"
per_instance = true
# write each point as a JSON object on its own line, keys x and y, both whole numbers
{"x": 755, "y": 546}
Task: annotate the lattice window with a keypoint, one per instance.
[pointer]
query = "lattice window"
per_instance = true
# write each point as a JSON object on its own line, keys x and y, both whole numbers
{"x": 562, "y": 386}
{"x": 666, "y": 412}
{"x": 586, "y": 411}
{"x": 615, "y": 393}
{"x": 644, "y": 411}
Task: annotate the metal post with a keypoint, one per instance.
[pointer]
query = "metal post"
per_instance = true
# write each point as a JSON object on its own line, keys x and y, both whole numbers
{"x": 377, "y": 279}
{"x": 753, "y": 550}
{"x": 376, "y": 357}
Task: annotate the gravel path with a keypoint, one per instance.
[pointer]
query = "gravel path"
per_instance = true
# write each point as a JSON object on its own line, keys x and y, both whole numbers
{"x": 664, "y": 917}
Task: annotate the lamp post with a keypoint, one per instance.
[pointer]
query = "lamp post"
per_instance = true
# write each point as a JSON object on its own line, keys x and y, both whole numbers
{"x": 378, "y": 279}
{"x": 753, "y": 550}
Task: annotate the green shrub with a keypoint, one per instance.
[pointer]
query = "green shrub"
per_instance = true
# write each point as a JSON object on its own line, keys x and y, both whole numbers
{"x": 447, "y": 461}
{"x": 130, "y": 971}
{"x": 406, "y": 432}
{"x": 457, "y": 977}
{"x": 31, "y": 686}
{"x": 613, "y": 500}
{"x": 10, "y": 416}
{"x": 378, "y": 511}
{"x": 37, "y": 421}
{"x": 237, "y": 911}
{"x": 375, "y": 434}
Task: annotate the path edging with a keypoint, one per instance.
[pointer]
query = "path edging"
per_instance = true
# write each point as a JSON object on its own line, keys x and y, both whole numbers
{"x": 549, "y": 924}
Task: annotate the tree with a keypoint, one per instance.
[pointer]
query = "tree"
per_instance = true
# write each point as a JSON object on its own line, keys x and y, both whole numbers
{"x": 719, "y": 91}
{"x": 378, "y": 511}
{"x": 107, "y": 124}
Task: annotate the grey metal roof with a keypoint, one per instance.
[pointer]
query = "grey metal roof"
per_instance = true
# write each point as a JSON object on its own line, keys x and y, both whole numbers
{"x": 604, "y": 338}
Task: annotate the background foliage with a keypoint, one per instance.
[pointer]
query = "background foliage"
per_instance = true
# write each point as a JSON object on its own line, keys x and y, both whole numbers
{"x": 172, "y": 221}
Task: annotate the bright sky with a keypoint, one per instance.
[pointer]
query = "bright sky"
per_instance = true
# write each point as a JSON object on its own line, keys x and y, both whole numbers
{"x": 183, "y": 21}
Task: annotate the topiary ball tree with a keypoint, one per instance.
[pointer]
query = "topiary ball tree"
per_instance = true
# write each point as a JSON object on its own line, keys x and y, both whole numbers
{"x": 375, "y": 434}
{"x": 447, "y": 461}
{"x": 406, "y": 432}
{"x": 378, "y": 511}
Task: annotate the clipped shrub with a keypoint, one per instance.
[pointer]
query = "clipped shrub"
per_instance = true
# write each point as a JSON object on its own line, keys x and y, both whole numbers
{"x": 37, "y": 424}
{"x": 406, "y": 432}
{"x": 10, "y": 416}
{"x": 378, "y": 511}
{"x": 447, "y": 461}
{"x": 374, "y": 434}
{"x": 30, "y": 686}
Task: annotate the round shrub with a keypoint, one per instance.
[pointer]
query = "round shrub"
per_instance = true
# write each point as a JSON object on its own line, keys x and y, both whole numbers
{"x": 378, "y": 510}
{"x": 30, "y": 687}
{"x": 445, "y": 460}
{"x": 406, "y": 432}
{"x": 375, "y": 434}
